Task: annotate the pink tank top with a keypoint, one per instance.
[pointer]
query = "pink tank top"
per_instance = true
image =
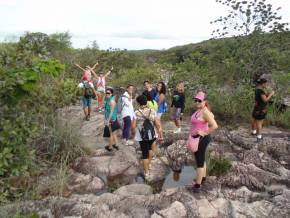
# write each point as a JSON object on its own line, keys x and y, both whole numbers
{"x": 87, "y": 74}
{"x": 196, "y": 124}
{"x": 101, "y": 82}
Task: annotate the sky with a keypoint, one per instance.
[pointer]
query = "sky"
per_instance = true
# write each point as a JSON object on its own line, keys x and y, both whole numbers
{"x": 124, "y": 24}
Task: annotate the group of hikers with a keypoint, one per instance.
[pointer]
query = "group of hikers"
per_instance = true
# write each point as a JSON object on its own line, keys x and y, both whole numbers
{"x": 142, "y": 123}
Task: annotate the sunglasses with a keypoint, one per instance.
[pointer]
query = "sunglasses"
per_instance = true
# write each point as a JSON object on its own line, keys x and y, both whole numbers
{"x": 197, "y": 100}
{"x": 108, "y": 93}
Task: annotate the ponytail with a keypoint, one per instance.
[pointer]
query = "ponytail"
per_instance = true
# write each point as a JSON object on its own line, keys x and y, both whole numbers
{"x": 207, "y": 105}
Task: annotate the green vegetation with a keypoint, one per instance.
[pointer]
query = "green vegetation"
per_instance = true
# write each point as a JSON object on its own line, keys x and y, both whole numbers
{"x": 218, "y": 166}
{"x": 37, "y": 77}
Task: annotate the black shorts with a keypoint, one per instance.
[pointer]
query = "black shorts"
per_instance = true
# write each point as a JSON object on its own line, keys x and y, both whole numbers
{"x": 114, "y": 126}
{"x": 146, "y": 146}
{"x": 259, "y": 114}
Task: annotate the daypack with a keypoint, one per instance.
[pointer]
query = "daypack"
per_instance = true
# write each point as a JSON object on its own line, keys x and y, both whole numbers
{"x": 121, "y": 104}
{"x": 89, "y": 92}
{"x": 147, "y": 131}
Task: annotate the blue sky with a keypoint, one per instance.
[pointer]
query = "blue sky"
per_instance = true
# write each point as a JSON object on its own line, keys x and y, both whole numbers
{"x": 130, "y": 24}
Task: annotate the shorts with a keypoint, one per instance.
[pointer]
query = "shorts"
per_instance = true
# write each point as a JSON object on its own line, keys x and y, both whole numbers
{"x": 114, "y": 126}
{"x": 159, "y": 115}
{"x": 146, "y": 146}
{"x": 101, "y": 89}
{"x": 86, "y": 102}
{"x": 259, "y": 114}
{"x": 176, "y": 113}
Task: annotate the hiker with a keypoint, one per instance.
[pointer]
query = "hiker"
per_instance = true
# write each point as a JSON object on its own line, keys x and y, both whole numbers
{"x": 260, "y": 109}
{"x": 127, "y": 113}
{"x": 148, "y": 87}
{"x": 88, "y": 92}
{"x": 87, "y": 70}
{"x": 177, "y": 106}
{"x": 160, "y": 99}
{"x": 202, "y": 125}
{"x": 147, "y": 126}
{"x": 100, "y": 82}
{"x": 111, "y": 122}
{"x": 151, "y": 103}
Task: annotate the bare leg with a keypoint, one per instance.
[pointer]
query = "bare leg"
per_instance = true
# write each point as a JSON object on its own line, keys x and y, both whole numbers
{"x": 115, "y": 139}
{"x": 204, "y": 169}
{"x": 199, "y": 175}
{"x": 146, "y": 165}
{"x": 154, "y": 148}
{"x": 177, "y": 123}
{"x": 254, "y": 124}
{"x": 259, "y": 124}
{"x": 86, "y": 111}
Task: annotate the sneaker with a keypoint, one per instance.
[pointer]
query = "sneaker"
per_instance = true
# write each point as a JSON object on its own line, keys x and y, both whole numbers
{"x": 259, "y": 139}
{"x": 178, "y": 130}
{"x": 147, "y": 176}
{"x": 116, "y": 147}
{"x": 107, "y": 147}
{"x": 196, "y": 188}
{"x": 130, "y": 142}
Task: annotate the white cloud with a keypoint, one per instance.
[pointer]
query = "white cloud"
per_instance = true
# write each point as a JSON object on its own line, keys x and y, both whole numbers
{"x": 132, "y": 24}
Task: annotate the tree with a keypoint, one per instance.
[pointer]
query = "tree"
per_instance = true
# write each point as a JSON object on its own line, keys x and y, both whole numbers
{"x": 246, "y": 17}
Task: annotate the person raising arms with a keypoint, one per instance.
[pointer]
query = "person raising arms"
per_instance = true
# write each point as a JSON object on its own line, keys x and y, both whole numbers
{"x": 100, "y": 81}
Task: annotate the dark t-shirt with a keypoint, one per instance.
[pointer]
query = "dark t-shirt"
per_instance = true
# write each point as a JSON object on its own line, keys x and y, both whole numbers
{"x": 259, "y": 103}
{"x": 153, "y": 93}
{"x": 178, "y": 100}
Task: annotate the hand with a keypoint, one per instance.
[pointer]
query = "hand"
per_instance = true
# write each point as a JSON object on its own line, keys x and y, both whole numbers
{"x": 272, "y": 93}
{"x": 201, "y": 133}
{"x": 108, "y": 123}
{"x": 112, "y": 68}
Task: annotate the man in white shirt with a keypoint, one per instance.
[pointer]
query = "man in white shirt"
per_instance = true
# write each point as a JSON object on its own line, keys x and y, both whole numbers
{"x": 127, "y": 113}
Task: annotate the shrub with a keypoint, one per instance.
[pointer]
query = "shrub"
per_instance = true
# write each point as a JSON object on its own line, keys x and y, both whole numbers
{"x": 218, "y": 166}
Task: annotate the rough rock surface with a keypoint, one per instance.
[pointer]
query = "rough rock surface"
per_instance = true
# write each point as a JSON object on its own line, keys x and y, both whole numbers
{"x": 257, "y": 185}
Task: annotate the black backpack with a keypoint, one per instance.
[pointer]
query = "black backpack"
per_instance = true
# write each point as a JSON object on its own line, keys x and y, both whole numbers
{"x": 89, "y": 92}
{"x": 147, "y": 131}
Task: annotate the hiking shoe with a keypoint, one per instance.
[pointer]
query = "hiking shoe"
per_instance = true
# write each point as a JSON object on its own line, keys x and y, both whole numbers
{"x": 107, "y": 147}
{"x": 116, "y": 147}
{"x": 178, "y": 130}
{"x": 147, "y": 176}
{"x": 196, "y": 188}
{"x": 130, "y": 142}
{"x": 259, "y": 140}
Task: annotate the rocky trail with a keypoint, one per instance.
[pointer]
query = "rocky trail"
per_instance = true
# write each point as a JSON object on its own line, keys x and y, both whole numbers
{"x": 110, "y": 184}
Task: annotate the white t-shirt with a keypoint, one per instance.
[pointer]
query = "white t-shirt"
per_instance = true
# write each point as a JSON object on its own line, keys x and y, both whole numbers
{"x": 127, "y": 106}
{"x": 81, "y": 85}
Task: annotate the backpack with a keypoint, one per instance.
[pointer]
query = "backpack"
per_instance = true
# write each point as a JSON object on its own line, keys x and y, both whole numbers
{"x": 89, "y": 92}
{"x": 120, "y": 104}
{"x": 147, "y": 131}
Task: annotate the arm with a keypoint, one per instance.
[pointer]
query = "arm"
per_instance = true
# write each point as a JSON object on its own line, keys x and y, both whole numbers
{"x": 208, "y": 117}
{"x": 159, "y": 128}
{"x": 182, "y": 103}
{"x": 79, "y": 67}
{"x": 267, "y": 98}
{"x": 94, "y": 73}
{"x": 96, "y": 64}
{"x": 161, "y": 99}
{"x": 108, "y": 73}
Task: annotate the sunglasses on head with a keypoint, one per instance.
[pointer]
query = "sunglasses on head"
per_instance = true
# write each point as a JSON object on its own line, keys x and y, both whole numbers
{"x": 197, "y": 100}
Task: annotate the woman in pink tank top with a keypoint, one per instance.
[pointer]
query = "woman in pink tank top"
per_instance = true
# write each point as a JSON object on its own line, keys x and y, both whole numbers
{"x": 202, "y": 125}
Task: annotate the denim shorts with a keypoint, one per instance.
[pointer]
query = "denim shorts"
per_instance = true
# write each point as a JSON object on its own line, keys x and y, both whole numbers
{"x": 86, "y": 102}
